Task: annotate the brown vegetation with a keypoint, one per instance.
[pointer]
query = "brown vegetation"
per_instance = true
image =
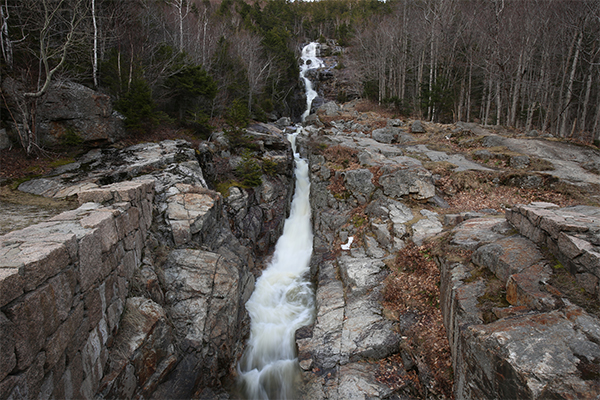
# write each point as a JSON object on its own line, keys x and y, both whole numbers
{"x": 413, "y": 287}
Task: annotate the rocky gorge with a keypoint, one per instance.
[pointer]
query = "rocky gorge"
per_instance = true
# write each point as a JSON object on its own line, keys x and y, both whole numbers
{"x": 139, "y": 291}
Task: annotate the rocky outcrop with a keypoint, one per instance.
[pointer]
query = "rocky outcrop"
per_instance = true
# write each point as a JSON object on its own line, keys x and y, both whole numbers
{"x": 572, "y": 234}
{"x": 70, "y": 111}
{"x": 63, "y": 288}
{"x": 513, "y": 325}
{"x": 360, "y": 220}
{"x": 258, "y": 214}
{"x": 517, "y": 323}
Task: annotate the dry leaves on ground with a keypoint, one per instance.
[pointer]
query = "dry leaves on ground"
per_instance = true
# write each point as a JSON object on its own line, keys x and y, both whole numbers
{"x": 413, "y": 287}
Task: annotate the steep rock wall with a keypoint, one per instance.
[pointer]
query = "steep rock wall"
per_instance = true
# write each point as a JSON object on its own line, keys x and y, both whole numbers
{"x": 514, "y": 327}
{"x": 64, "y": 286}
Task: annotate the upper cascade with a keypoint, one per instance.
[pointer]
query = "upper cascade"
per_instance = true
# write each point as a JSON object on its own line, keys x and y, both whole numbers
{"x": 309, "y": 61}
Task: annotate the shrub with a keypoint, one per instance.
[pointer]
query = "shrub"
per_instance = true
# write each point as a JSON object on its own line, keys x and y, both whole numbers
{"x": 238, "y": 115}
{"x": 249, "y": 171}
{"x": 137, "y": 106}
{"x": 269, "y": 167}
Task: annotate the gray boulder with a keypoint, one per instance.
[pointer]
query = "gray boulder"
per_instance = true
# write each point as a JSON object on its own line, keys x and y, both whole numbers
{"x": 417, "y": 127}
{"x": 386, "y": 135}
{"x": 88, "y": 113}
{"x": 329, "y": 109}
{"x": 492, "y": 141}
{"x": 414, "y": 180}
{"x": 358, "y": 181}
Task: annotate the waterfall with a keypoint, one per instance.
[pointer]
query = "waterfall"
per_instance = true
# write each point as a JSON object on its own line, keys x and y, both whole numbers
{"x": 283, "y": 300}
{"x": 309, "y": 61}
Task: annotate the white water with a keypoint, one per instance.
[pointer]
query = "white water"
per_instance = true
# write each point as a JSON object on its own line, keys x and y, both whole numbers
{"x": 309, "y": 61}
{"x": 283, "y": 300}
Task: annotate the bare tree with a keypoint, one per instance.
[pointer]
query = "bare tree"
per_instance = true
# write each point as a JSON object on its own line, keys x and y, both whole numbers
{"x": 57, "y": 30}
{"x": 249, "y": 50}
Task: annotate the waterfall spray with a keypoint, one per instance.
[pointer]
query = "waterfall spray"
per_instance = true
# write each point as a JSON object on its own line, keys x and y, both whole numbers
{"x": 283, "y": 300}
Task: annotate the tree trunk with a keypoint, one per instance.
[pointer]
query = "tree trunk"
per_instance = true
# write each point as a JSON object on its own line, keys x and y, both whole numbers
{"x": 469, "y": 89}
{"x": 569, "y": 93}
{"x": 5, "y": 42}
{"x": 431, "y": 71}
{"x": 498, "y": 103}
{"x": 95, "y": 53}
{"x": 420, "y": 81}
{"x": 489, "y": 102}
{"x": 586, "y": 101}
{"x": 516, "y": 92}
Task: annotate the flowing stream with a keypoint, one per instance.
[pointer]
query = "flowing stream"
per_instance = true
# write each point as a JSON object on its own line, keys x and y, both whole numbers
{"x": 283, "y": 300}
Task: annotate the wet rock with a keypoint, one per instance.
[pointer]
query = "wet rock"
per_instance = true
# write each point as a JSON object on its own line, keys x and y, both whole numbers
{"x": 283, "y": 122}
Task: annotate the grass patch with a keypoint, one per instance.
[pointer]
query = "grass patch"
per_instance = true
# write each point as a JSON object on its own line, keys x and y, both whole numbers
{"x": 61, "y": 161}
{"x": 223, "y": 187}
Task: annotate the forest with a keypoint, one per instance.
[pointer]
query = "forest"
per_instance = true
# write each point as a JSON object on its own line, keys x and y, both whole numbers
{"x": 531, "y": 64}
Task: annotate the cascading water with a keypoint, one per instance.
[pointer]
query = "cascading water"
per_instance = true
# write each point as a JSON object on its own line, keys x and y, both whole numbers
{"x": 309, "y": 61}
{"x": 283, "y": 300}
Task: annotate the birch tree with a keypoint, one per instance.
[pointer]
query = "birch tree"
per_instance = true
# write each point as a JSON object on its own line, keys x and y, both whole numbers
{"x": 56, "y": 30}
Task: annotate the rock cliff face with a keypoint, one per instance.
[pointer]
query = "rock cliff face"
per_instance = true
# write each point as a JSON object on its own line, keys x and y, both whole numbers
{"x": 182, "y": 323}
